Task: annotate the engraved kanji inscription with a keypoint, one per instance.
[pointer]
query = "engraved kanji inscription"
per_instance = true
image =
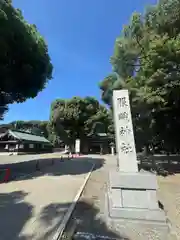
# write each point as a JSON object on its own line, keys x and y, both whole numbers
{"x": 123, "y": 116}
{"x": 126, "y": 148}
{"x": 125, "y": 131}
{"x": 122, "y": 102}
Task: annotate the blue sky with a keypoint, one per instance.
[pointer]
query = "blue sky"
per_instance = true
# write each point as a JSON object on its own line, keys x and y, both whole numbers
{"x": 80, "y": 35}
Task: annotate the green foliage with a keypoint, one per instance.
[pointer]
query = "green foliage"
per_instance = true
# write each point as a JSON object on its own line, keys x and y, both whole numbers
{"x": 110, "y": 83}
{"x": 98, "y": 128}
{"x": 147, "y": 58}
{"x": 25, "y": 64}
{"x": 33, "y": 126}
{"x": 3, "y": 109}
{"x": 76, "y": 117}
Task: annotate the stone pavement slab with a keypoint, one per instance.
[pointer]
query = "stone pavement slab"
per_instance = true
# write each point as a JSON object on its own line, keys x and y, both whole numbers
{"x": 33, "y": 208}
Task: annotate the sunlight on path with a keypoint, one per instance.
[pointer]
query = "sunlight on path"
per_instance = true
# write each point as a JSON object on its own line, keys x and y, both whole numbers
{"x": 33, "y": 208}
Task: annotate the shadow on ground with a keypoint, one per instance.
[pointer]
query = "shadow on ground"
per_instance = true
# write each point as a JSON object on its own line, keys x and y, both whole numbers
{"x": 83, "y": 224}
{"x": 163, "y": 165}
{"x": 54, "y": 167}
{"x": 15, "y": 212}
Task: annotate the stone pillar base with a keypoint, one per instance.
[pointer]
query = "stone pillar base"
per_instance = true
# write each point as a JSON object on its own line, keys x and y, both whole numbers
{"x": 133, "y": 196}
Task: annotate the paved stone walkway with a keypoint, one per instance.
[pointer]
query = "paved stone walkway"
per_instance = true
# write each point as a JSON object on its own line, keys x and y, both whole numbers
{"x": 33, "y": 208}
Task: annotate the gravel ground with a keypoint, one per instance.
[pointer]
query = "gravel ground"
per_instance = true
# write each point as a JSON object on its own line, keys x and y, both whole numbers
{"x": 169, "y": 194}
{"x": 33, "y": 207}
{"x": 90, "y": 222}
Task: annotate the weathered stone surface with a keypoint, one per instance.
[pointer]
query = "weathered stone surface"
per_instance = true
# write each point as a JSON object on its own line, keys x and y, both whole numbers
{"x": 140, "y": 180}
{"x": 137, "y": 214}
{"x": 116, "y": 196}
{"x": 131, "y": 194}
{"x": 153, "y": 200}
{"x": 134, "y": 199}
{"x": 125, "y": 144}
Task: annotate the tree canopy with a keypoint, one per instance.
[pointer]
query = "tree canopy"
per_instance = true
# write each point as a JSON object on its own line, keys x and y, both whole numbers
{"x": 69, "y": 119}
{"x": 34, "y": 126}
{"x": 25, "y": 65}
{"x": 146, "y": 61}
{"x": 76, "y": 116}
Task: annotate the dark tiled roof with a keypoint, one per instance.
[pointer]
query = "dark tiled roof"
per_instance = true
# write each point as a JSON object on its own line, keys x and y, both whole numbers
{"x": 28, "y": 137}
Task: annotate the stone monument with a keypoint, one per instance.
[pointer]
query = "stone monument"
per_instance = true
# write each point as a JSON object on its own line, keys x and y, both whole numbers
{"x": 131, "y": 194}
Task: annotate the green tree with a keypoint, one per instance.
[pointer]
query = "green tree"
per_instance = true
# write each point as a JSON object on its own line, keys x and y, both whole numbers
{"x": 146, "y": 57}
{"x": 76, "y": 116}
{"x": 25, "y": 65}
{"x": 34, "y": 126}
